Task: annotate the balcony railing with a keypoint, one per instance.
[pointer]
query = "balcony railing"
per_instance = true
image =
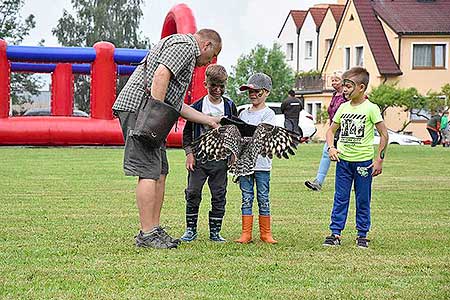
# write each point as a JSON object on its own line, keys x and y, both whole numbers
{"x": 309, "y": 83}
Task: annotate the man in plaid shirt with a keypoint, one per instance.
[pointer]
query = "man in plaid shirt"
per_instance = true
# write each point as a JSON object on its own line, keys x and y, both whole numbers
{"x": 169, "y": 68}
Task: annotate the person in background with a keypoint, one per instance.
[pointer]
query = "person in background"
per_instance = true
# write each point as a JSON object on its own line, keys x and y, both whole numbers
{"x": 445, "y": 129}
{"x": 433, "y": 127}
{"x": 291, "y": 108}
{"x": 324, "y": 165}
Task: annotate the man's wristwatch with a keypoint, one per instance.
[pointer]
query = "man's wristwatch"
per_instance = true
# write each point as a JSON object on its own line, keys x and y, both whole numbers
{"x": 330, "y": 147}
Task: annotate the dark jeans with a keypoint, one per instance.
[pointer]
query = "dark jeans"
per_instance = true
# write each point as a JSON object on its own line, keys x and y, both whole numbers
{"x": 434, "y": 137}
{"x": 292, "y": 125}
{"x": 216, "y": 174}
{"x": 348, "y": 173}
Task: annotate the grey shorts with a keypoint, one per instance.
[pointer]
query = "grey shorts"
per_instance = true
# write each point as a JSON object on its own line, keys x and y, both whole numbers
{"x": 140, "y": 159}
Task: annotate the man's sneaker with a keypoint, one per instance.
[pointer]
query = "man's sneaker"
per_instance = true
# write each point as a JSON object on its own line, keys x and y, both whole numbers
{"x": 165, "y": 236}
{"x": 332, "y": 240}
{"x": 313, "y": 185}
{"x": 189, "y": 235}
{"x": 153, "y": 240}
{"x": 362, "y": 242}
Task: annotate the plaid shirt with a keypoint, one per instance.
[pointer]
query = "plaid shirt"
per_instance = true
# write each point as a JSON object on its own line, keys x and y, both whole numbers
{"x": 178, "y": 53}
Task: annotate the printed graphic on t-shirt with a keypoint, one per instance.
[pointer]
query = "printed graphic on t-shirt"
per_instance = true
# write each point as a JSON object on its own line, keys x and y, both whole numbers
{"x": 352, "y": 128}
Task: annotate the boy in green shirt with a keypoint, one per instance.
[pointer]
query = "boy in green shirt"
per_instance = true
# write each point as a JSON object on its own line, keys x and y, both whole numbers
{"x": 445, "y": 130}
{"x": 354, "y": 155}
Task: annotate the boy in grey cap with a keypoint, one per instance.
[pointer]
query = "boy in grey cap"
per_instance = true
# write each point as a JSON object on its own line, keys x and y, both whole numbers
{"x": 258, "y": 86}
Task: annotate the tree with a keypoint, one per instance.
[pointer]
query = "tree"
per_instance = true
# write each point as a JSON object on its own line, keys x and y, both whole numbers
{"x": 261, "y": 59}
{"x": 409, "y": 99}
{"x": 115, "y": 21}
{"x": 13, "y": 29}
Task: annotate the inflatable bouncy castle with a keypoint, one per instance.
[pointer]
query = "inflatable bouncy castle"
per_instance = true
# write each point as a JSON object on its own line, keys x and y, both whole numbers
{"x": 103, "y": 62}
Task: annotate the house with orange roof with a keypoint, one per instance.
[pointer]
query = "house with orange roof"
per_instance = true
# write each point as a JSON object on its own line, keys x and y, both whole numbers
{"x": 309, "y": 38}
{"x": 306, "y": 37}
{"x": 289, "y": 37}
{"x": 327, "y": 31}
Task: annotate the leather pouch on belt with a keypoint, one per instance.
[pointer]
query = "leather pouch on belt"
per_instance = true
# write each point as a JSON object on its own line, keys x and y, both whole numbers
{"x": 154, "y": 121}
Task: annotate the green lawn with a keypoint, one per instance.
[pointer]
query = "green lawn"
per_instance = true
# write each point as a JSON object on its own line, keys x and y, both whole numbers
{"x": 68, "y": 219}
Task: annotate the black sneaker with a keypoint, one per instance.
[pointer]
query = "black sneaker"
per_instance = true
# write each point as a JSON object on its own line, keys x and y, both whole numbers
{"x": 332, "y": 240}
{"x": 165, "y": 236}
{"x": 362, "y": 242}
{"x": 153, "y": 240}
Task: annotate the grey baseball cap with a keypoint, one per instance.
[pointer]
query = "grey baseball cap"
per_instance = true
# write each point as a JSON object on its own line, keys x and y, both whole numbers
{"x": 258, "y": 81}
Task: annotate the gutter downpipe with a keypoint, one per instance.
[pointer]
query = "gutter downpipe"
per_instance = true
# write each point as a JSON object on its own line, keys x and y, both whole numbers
{"x": 298, "y": 52}
{"x": 317, "y": 50}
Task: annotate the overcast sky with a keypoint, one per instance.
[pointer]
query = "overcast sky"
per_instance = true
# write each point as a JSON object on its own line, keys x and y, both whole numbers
{"x": 242, "y": 24}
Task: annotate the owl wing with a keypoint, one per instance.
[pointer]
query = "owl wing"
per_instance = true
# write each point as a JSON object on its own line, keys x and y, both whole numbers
{"x": 218, "y": 144}
{"x": 274, "y": 140}
{"x": 267, "y": 141}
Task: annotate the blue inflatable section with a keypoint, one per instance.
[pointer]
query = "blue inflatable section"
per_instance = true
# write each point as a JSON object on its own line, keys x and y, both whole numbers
{"x": 76, "y": 68}
{"x": 38, "y": 59}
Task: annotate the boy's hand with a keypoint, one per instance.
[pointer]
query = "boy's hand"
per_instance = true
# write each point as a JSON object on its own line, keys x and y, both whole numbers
{"x": 333, "y": 153}
{"x": 190, "y": 162}
{"x": 377, "y": 166}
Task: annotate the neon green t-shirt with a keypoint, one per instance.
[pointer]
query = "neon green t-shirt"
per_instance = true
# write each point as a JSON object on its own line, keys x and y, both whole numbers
{"x": 357, "y": 130}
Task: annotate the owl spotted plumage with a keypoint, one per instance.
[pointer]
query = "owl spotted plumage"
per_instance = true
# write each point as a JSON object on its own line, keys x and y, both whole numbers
{"x": 230, "y": 140}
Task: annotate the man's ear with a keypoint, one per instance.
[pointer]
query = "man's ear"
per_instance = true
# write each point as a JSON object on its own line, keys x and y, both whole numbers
{"x": 207, "y": 45}
{"x": 205, "y": 84}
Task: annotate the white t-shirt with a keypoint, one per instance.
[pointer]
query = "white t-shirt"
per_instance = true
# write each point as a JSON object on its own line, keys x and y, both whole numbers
{"x": 211, "y": 109}
{"x": 265, "y": 115}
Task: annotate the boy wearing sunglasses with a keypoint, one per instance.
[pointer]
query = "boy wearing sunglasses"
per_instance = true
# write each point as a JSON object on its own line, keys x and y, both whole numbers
{"x": 355, "y": 155}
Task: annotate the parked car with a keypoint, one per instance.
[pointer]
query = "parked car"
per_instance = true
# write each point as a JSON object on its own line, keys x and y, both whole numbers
{"x": 46, "y": 112}
{"x": 306, "y": 120}
{"x": 398, "y": 139}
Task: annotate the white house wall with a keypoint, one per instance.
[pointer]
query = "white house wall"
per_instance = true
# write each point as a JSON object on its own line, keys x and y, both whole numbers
{"x": 289, "y": 35}
{"x": 308, "y": 33}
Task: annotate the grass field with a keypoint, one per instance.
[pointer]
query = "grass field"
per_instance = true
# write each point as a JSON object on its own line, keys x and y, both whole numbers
{"x": 68, "y": 219}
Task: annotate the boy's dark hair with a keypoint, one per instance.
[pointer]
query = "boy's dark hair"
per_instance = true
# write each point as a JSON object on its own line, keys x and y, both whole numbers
{"x": 291, "y": 93}
{"x": 359, "y": 74}
{"x": 216, "y": 74}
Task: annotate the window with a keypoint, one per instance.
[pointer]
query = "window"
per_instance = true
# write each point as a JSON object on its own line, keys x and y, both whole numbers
{"x": 308, "y": 49}
{"x": 313, "y": 108}
{"x": 347, "y": 58}
{"x": 328, "y": 43}
{"x": 359, "y": 56}
{"x": 289, "y": 51}
{"x": 419, "y": 115}
{"x": 429, "y": 56}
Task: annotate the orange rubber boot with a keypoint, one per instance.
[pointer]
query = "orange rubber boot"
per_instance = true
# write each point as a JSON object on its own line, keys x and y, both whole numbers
{"x": 247, "y": 226}
{"x": 264, "y": 230}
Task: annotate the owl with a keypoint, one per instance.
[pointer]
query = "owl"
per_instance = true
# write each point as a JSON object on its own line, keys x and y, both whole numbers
{"x": 243, "y": 143}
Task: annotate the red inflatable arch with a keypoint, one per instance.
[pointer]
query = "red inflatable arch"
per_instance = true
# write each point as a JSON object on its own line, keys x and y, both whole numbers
{"x": 104, "y": 63}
